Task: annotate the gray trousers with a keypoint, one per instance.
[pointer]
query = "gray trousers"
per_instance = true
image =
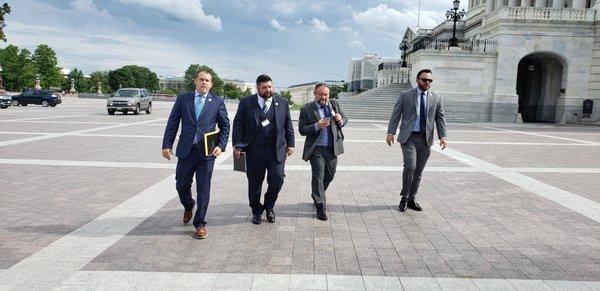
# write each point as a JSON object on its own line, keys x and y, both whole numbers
{"x": 415, "y": 153}
{"x": 323, "y": 163}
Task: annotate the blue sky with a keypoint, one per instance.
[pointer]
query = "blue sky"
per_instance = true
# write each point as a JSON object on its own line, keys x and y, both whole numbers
{"x": 294, "y": 41}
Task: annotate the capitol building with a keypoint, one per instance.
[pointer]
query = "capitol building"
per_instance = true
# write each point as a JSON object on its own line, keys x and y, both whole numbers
{"x": 530, "y": 60}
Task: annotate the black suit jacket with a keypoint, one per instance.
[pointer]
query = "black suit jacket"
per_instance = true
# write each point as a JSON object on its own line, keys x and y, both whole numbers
{"x": 309, "y": 115}
{"x": 246, "y": 123}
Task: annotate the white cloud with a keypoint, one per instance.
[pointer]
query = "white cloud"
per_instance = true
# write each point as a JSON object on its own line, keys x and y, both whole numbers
{"x": 390, "y": 23}
{"x": 285, "y": 7}
{"x": 275, "y": 24}
{"x": 319, "y": 26}
{"x": 189, "y": 10}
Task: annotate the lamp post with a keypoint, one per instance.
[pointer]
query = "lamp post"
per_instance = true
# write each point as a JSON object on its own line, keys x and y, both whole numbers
{"x": 403, "y": 47}
{"x": 454, "y": 15}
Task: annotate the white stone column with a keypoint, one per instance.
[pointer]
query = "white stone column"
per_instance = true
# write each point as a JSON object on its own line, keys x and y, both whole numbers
{"x": 579, "y": 4}
{"x": 489, "y": 6}
{"x": 558, "y": 3}
{"x": 524, "y": 3}
{"x": 540, "y": 3}
{"x": 512, "y": 3}
{"x": 499, "y": 3}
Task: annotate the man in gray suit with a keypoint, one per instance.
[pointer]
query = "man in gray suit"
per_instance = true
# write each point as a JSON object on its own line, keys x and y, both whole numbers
{"x": 418, "y": 109}
{"x": 321, "y": 121}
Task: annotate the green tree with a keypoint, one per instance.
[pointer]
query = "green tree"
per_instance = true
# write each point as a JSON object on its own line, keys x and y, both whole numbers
{"x": 18, "y": 70}
{"x": 232, "y": 91}
{"x": 102, "y": 77}
{"x": 190, "y": 74}
{"x": 334, "y": 90}
{"x": 133, "y": 76}
{"x": 287, "y": 95}
{"x": 81, "y": 82}
{"x": 46, "y": 62}
{"x": 5, "y": 9}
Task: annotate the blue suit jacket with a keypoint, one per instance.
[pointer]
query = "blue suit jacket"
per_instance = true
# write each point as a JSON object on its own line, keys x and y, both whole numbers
{"x": 214, "y": 113}
{"x": 246, "y": 123}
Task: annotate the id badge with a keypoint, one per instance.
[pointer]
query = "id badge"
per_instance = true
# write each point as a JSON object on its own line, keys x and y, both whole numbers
{"x": 265, "y": 122}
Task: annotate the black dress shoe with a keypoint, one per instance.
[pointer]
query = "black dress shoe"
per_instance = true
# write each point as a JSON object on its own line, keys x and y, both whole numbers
{"x": 256, "y": 218}
{"x": 402, "y": 205}
{"x": 322, "y": 215}
{"x": 412, "y": 204}
{"x": 270, "y": 216}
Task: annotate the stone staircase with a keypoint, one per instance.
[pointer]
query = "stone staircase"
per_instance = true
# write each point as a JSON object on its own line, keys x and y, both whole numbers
{"x": 378, "y": 103}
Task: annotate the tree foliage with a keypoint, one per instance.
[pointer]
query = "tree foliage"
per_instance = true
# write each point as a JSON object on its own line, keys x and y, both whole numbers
{"x": 46, "y": 63}
{"x": 133, "y": 76}
{"x": 334, "y": 90}
{"x": 18, "y": 69}
{"x": 102, "y": 77}
{"x": 5, "y": 9}
{"x": 232, "y": 91}
{"x": 81, "y": 82}
{"x": 190, "y": 74}
{"x": 287, "y": 95}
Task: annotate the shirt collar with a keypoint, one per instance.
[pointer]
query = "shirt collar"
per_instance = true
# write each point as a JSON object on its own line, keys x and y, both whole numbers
{"x": 197, "y": 94}
{"x": 419, "y": 91}
{"x": 319, "y": 104}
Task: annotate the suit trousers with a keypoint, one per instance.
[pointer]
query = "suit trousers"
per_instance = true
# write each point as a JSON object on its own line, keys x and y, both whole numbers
{"x": 323, "y": 163}
{"x": 256, "y": 166}
{"x": 415, "y": 153}
{"x": 203, "y": 169}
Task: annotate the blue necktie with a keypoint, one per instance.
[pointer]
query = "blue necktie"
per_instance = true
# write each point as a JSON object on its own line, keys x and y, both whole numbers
{"x": 422, "y": 114}
{"x": 326, "y": 111}
{"x": 199, "y": 105}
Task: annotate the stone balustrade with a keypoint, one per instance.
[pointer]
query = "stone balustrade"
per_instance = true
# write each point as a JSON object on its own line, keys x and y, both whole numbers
{"x": 538, "y": 13}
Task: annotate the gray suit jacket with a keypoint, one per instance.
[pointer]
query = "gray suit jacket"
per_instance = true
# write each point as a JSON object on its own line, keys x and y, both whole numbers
{"x": 309, "y": 115}
{"x": 406, "y": 110}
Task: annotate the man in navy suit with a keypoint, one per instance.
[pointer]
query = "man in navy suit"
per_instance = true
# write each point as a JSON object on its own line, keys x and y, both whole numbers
{"x": 263, "y": 128}
{"x": 199, "y": 112}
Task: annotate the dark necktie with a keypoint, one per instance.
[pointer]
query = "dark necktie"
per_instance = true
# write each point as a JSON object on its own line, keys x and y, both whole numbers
{"x": 422, "y": 114}
{"x": 265, "y": 108}
{"x": 326, "y": 111}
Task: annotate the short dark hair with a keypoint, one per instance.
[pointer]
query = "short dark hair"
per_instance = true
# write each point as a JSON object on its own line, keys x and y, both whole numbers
{"x": 422, "y": 72}
{"x": 263, "y": 78}
{"x": 321, "y": 84}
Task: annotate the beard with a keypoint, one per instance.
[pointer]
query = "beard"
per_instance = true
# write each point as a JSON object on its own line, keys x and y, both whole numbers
{"x": 267, "y": 95}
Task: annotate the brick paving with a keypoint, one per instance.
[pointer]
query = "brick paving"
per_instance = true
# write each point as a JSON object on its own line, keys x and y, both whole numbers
{"x": 478, "y": 231}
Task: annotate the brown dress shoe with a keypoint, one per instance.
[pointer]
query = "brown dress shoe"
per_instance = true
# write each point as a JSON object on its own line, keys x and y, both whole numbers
{"x": 187, "y": 214}
{"x": 201, "y": 232}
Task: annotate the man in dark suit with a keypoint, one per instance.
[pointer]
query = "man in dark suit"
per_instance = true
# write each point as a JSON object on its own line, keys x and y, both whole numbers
{"x": 321, "y": 121}
{"x": 418, "y": 109}
{"x": 263, "y": 128}
{"x": 199, "y": 112}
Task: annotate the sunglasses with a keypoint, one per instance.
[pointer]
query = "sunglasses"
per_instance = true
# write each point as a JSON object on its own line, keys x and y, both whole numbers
{"x": 426, "y": 80}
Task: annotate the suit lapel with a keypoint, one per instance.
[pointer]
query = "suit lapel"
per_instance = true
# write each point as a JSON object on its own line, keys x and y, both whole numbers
{"x": 316, "y": 111}
{"x": 255, "y": 108}
{"x": 414, "y": 100}
{"x": 191, "y": 100}
{"x": 431, "y": 101}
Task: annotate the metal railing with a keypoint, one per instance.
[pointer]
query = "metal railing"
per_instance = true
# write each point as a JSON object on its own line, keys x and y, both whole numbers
{"x": 465, "y": 45}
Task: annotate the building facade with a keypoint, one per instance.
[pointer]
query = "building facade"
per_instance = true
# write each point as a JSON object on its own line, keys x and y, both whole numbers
{"x": 362, "y": 73}
{"x": 243, "y": 85}
{"x": 303, "y": 93}
{"x": 171, "y": 83}
{"x": 535, "y": 60}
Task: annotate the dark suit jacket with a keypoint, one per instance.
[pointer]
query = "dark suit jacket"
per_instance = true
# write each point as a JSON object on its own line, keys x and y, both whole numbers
{"x": 246, "y": 123}
{"x": 309, "y": 115}
{"x": 406, "y": 109}
{"x": 213, "y": 113}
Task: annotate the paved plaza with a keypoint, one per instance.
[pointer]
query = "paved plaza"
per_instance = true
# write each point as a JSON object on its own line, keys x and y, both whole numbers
{"x": 88, "y": 202}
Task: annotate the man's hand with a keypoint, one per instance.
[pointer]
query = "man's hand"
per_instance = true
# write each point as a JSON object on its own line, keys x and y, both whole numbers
{"x": 216, "y": 151}
{"x": 323, "y": 123}
{"x": 290, "y": 151}
{"x": 338, "y": 118}
{"x": 237, "y": 152}
{"x": 390, "y": 139}
{"x": 443, "y": 143}
{"x": 167, "y": 153}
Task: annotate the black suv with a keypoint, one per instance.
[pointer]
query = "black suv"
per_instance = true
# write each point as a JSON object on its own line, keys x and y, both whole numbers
{"x": 42, "y": 97}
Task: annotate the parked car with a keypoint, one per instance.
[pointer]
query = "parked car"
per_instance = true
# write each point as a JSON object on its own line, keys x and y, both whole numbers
{"x": 130, "y": 99}
{"x": 5, "y": 101}
{"x": 42, "y": 97}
